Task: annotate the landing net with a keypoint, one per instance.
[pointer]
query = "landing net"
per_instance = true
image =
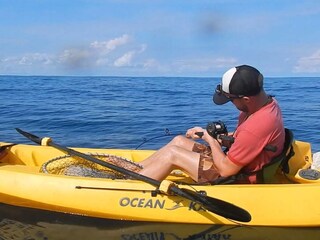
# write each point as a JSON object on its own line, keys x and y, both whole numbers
{"x": 76, "y": 166}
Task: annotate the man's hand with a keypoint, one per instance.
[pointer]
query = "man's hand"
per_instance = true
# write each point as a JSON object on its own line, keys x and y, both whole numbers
{"x": 195, "y": 132}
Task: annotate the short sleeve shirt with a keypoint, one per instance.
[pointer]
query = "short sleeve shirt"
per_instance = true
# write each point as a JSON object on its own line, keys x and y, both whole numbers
{"x": 253, "y": 134}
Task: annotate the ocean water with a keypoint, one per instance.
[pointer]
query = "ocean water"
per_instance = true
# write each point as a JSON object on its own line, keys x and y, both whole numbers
{"x": 135, "y": 112}
{"x": 124, "y": 112}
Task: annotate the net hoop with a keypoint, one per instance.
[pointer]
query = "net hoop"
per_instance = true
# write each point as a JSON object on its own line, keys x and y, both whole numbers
{"x": 74, "y": 166}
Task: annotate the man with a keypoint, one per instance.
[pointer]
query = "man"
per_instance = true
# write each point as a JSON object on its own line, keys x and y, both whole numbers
{"x": 260, "y": 124}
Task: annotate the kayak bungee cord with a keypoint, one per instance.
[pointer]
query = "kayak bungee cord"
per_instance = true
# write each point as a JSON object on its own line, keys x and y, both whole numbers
{"x": 214, "y": 205}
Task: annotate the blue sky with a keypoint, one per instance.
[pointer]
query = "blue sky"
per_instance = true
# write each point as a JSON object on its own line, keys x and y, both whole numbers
{"x": 159, "y": 38}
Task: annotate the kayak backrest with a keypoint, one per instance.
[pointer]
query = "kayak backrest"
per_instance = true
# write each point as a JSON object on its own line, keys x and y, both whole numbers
{"x": 296, "y": 155}
{"x": 268, "y": 171}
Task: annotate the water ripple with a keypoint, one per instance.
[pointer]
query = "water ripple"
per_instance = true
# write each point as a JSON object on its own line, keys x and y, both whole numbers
{"x": 123, "y": 111}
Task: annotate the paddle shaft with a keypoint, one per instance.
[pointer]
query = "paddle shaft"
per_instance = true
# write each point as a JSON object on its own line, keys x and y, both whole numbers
{"x": 124, "y": 171}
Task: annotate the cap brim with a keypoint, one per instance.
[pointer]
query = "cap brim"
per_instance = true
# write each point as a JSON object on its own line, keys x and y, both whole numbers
{"x": 220, "y": 99}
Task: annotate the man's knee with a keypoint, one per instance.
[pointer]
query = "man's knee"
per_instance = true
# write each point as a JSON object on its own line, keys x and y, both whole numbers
{"x": 179, "y": 140}
{"x": 173, "y": 153}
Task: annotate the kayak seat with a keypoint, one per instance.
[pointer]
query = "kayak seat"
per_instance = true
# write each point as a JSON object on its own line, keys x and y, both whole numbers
{"x": 268, "y": 171}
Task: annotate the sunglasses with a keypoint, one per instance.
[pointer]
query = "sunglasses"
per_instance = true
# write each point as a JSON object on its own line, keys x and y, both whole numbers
{"x": 227, "y": 95}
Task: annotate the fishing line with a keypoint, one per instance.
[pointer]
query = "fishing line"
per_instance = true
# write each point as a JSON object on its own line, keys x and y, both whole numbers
{"x": 167, "y": 133}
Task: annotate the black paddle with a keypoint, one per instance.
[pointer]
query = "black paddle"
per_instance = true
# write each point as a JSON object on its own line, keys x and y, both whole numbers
{"x": 211, "y": 204}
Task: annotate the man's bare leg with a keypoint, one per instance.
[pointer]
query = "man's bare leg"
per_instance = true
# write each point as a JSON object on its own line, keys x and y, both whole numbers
{"x": 178, "y": 141}
{"x": 177, "y": 154}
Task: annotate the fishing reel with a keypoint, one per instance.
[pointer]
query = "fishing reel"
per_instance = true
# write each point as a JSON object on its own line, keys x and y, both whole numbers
{"x": 216, "y": 129}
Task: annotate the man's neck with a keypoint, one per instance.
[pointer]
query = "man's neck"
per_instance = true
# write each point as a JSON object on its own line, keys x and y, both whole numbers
{"x": 259, "y": 101}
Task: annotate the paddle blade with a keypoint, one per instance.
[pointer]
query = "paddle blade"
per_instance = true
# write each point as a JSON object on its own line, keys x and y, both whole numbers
{"x": 30, "y": 136}
{"x": 219, "y": 207}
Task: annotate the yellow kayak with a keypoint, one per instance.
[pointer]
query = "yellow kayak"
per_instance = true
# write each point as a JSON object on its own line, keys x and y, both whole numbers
{"x": 292, "y": 200}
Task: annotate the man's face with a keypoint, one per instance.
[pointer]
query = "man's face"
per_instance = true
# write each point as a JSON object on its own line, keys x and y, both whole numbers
{"x": 240, "y": 104}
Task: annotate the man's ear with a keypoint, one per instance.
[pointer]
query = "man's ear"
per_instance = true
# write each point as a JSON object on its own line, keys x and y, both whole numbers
{"x": 246, "y": 99}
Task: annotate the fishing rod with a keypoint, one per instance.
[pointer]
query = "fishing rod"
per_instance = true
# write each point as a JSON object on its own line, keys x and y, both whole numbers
{"x": 167, "y": 133}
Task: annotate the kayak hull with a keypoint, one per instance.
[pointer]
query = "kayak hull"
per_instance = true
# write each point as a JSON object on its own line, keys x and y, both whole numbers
{"x": 22, "y": 184}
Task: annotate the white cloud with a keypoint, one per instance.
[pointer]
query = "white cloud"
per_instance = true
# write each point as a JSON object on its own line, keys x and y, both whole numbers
{"x": 43, "y": 58}
{"x": 96, "y": 56}
{"x": 309, "y": 64}
{"x": 34, "y": 63}
{"x": 31, "y": 59}
{"x": 125, "y": 60}
{"x": 110, "y": 56}
{"x": 106, "y": 46}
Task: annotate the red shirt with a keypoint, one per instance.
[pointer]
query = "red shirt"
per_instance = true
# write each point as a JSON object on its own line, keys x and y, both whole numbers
{"x": 254, "y": 132}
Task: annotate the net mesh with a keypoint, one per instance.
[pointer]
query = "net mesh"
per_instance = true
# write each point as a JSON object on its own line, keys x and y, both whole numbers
{"x": 75, "y": 166}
